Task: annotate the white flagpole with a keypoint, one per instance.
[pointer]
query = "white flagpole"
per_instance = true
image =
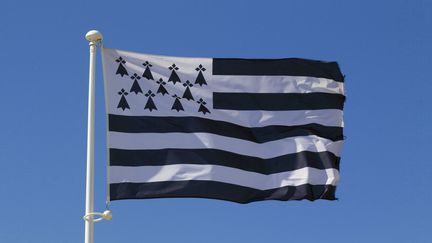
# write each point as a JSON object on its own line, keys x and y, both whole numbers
{"x": 93, "y": 37}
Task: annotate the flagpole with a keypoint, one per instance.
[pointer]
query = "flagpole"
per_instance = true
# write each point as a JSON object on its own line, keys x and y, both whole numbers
{"x": 93, "y": 37}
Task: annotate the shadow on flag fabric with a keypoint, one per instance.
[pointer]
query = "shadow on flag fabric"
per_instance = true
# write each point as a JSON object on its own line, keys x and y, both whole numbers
{"x": 246, "y": 130}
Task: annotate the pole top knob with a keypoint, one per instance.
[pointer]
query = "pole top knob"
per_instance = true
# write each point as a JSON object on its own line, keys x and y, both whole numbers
{"x": 93, "y": 36}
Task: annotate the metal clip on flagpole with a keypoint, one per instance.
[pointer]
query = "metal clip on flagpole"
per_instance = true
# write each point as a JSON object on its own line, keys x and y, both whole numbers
{"x": 94, "y": 37}
{"x": 107, "y": 215}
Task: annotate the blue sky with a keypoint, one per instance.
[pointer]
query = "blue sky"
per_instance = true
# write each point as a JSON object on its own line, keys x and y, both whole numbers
{"x": 383, "y": 47}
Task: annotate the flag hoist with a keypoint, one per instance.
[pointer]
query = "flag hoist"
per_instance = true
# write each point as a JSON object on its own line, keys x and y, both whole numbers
{"x": 94, "y": 37}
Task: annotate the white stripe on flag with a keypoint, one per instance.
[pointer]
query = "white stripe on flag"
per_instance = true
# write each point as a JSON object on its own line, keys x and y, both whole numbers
{"x": 217, "y": 83}
{"x": 207, "y": 140}
{"x": 185, "y": 172}
{"x": 275, "y": 84}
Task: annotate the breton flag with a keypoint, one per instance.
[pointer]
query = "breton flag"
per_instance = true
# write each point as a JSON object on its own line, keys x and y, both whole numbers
{"x": 241, "y": 130}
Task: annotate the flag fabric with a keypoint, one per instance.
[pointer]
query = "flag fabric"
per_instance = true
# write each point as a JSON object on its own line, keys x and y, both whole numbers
{"x": 241, "y": 130}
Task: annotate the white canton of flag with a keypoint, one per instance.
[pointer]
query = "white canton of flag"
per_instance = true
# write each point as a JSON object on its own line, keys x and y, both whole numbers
{"x": 241, "y": 130}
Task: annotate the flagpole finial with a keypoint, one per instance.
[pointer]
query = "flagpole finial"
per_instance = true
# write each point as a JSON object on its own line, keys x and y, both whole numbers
{"x": 94, "y": 36}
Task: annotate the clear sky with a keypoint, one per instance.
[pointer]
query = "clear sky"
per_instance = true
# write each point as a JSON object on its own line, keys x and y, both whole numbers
{"x": 383, "y": 47}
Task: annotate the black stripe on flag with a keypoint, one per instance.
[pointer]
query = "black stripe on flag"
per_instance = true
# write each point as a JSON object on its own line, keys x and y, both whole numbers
{"x": 277, "y": 101}
{"x": 150, "y": 124}
{"x": 277, "y": 67}
{"x": 160, "y": 157}
{"x": 218, "y": 190}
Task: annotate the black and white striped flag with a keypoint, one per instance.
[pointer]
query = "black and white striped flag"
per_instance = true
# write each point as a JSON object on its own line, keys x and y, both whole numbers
{"x": 241, "y": 130}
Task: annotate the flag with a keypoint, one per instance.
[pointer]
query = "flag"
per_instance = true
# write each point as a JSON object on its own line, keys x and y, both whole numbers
{"x": 241, "y": 130}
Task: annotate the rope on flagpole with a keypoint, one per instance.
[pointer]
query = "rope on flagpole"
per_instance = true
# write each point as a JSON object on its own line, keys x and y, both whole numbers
{"x": 108, "y": 199}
